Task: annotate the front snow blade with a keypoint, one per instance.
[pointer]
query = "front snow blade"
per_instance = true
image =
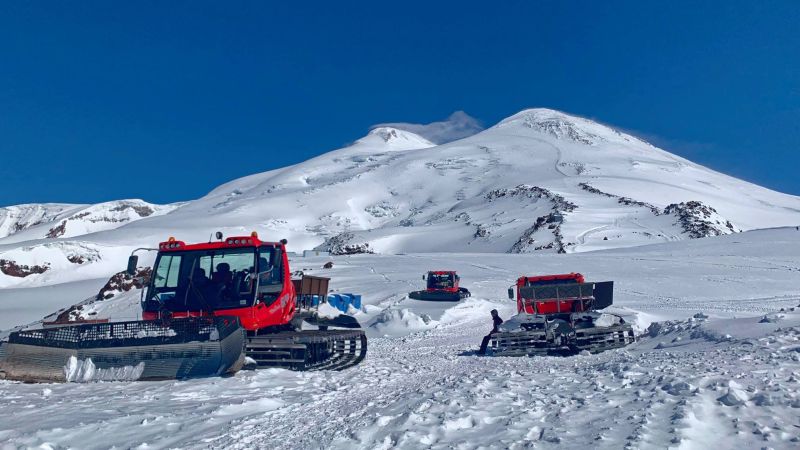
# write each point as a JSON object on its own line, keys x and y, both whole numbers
{"x": 138, "y": 350}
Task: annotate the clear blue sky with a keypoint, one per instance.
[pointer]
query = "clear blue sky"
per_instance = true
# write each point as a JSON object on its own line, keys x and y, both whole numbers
{"x": 165, "y": 100}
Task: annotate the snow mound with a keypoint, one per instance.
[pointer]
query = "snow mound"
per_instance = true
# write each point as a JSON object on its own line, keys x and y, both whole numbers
{"x": 399, "y": 322}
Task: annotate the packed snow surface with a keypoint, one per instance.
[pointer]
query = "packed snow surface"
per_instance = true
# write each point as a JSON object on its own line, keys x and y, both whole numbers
{"x": 717, "y": 364}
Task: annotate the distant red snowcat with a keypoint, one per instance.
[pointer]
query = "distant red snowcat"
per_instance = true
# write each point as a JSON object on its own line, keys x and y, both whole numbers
{"x": 442, "y": 286}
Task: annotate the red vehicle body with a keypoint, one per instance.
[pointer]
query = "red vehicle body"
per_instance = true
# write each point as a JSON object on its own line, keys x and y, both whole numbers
{"x": 561, "y": 314}
{"x": 209, "y": 309}
{"x": 264, "y": 295}
{"x": 546, "y": 306}
{"x": 442, "y": 281}
{"x": 442, "y": 285}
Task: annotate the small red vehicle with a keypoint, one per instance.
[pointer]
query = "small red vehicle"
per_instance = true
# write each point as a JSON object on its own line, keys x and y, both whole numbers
{"x": 441, "y": 285}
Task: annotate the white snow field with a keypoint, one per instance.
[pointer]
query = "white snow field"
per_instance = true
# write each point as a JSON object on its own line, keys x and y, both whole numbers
{"x": 717, "y": 365}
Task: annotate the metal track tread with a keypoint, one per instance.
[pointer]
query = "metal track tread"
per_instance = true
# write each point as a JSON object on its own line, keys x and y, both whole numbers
{"x": 536, "y": 342}
{"x": 523, "y": 343}
{"x": 438, "y": 296}
{"x": 308, "y": 350}
{"x": 598, "y": 339}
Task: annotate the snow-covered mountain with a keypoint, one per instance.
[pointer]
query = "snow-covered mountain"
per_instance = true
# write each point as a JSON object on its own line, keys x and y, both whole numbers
{"x": 14, "y": 219}
{"x": 57, "y": 220}
{"x": 538, "y": 181}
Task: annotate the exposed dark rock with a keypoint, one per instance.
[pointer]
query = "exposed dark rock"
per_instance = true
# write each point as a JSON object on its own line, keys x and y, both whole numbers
{"x": 562, "y": 129}
{"x": 76, "y": 259}
{"x": 462, "y": 216}
{"x": 481, "y": 231}
{"x": 118, "y": 283}
{"x": 122, "y": 282}
{"x": 141, "y": 210}
{"x": 22, "y": 226}
{"x": 621, "y": 200}
{"x": 553, "y": 222}
{"x": 13, "y": 269}
{"x": 57, "y": 230}
{"x": 699, "y": 220}
{"x": 528, "y": 191}
{"x": 341, "y": 245}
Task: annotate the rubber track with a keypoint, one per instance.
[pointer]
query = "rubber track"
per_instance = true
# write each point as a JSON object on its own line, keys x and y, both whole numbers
{"x": 592, "y": 339}
{"x": 308, "y": 350}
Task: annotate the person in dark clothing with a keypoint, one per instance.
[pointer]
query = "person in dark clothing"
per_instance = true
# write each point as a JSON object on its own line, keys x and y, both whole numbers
{"x": 496, "y": 321}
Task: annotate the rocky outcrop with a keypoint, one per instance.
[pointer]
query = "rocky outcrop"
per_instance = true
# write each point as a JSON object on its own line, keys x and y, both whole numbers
{"x": 341, "y": 245}
{"x": 528, "y": 191}
{"x": 551, "y": 221}
{"x": 699, "y": 220}
{"x": 621, "y": 200}
{"x": 122, "y": 282}
{"x": 13, "y": 269}
{"x": 57, "y": 230}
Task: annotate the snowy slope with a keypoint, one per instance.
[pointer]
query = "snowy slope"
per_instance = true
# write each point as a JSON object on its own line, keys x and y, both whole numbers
{"x": 593, "y": 186}
{"x": 538, "y": 181}
{"x": 49, "y": 220}
{"x": 716, "y": 365}
{"x": 14, "y": 219}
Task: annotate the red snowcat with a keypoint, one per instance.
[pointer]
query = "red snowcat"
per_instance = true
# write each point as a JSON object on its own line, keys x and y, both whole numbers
{"x": 442, "y": 285}
{"x": 209, "y": 309}
{"x": 559, "y": 314}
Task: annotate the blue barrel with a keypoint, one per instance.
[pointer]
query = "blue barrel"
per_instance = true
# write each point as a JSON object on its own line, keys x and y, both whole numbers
{"x": 346, "y": 301}
{"x": 315, "y": 300}
{"x": 333, "y": 300}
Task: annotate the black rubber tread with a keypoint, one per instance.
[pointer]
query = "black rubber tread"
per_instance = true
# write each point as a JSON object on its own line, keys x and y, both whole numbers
{"x": 437, "y": 296}
{"x": 308, "y": 350}
{"x": 539, "y": 342}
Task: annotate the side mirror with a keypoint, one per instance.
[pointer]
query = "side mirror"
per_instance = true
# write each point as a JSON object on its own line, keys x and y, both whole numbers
{"x": 511, "y": 293}
{"x": 133, "y": 261}
{"x": 423, "y": 278}
{"x": 219, "y": 235}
